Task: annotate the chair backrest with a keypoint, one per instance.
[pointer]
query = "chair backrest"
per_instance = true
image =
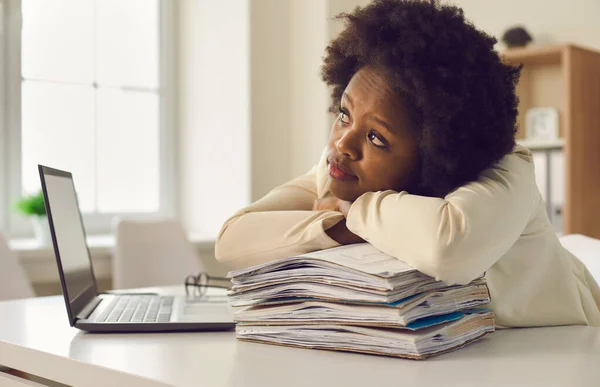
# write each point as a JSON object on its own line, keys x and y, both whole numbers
{"x": 152, "y": 253}
{"x": 585, "y": 248}
{"x": 14, "y": 282}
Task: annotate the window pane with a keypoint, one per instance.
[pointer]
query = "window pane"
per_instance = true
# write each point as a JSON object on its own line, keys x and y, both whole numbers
{"x": 127, "y": 40}
{"x": 58, "y": 131}
{"x": 128, "y": 151}
{"x": 57, "y": 40}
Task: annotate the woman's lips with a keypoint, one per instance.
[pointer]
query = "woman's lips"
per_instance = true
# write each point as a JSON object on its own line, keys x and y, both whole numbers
{"x": 338, "y": 172}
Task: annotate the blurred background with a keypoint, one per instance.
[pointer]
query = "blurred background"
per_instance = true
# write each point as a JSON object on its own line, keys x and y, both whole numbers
{"x": 192, "y": 109}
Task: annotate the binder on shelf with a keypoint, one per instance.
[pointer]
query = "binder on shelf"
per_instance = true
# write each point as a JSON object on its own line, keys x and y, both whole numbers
{"x": 557, "y": 189}
{"x": 540, "y": 163}
{"x": 549, "y": 169}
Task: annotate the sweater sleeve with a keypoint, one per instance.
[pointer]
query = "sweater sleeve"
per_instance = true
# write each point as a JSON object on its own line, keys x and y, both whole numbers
{"x": 457, "y": 238}
{"x": 281, "y": 224}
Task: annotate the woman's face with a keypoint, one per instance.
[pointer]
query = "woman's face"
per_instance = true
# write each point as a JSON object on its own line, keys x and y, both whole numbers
{"x": 371, "y": 147}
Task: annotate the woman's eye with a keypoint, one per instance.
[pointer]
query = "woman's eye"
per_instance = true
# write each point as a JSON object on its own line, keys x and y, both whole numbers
{"x": 376, "y": 139}
{"x": 344, "y": 116}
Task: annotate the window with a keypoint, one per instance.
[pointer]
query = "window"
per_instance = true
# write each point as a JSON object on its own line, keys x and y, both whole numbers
{"x": 91, "y": 95}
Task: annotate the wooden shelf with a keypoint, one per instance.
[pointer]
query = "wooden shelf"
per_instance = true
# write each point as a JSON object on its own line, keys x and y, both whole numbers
{"x": 566, "y": 77}
{"x": 542, "y": 145}
{"x": 539, "y": 55}
{"x": 535, "y": 55}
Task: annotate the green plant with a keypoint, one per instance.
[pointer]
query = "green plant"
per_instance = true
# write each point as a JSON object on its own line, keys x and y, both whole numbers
{"x": 32, "y": 205}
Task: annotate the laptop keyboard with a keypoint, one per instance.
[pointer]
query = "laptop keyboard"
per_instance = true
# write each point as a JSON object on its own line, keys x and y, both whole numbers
{"x": 138, "y": 309}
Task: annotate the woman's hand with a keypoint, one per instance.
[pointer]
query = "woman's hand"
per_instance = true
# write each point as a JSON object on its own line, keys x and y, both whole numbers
{"x": 332, "y": 204}
{"x": 338, "y": 232}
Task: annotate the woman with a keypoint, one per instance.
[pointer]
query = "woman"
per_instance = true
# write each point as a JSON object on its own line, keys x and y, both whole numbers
{"x": 422, "y": 163}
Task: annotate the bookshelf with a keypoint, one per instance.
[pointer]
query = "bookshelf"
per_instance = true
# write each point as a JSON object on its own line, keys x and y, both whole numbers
{"x": 542, "y": 145}
{"x": 566, "y": 77}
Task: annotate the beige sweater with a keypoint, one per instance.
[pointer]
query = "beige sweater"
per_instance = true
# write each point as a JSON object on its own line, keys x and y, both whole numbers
{"x": 497, "y": 225}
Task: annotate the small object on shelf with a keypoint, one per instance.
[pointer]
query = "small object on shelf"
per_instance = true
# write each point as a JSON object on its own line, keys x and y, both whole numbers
{"x": 516, "y": 37}
{"x": 541, "y": 124}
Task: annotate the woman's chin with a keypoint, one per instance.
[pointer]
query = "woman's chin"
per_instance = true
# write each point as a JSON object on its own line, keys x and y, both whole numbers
{"x": 341, "y": 193}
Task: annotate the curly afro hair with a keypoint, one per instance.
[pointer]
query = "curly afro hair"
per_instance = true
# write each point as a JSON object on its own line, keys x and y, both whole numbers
{"x": 460, "y": 96}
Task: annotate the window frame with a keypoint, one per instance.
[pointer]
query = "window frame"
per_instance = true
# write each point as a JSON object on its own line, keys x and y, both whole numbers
{"x": 3, "y": 121}
{"x": 16, "y": 225}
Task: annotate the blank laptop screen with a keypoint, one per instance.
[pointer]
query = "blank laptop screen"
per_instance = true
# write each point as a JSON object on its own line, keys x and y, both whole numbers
{"x": 70, "y": 236}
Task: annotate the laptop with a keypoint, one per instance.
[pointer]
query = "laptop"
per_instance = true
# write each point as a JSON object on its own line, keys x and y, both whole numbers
{"x": 92, "y": 311}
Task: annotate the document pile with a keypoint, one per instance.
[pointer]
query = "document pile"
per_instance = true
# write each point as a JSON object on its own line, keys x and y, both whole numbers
{"x": 356, "y": 298}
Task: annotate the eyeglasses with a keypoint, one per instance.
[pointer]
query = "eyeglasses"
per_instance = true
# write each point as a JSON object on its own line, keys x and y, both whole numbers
{"x": 196, "y": 285}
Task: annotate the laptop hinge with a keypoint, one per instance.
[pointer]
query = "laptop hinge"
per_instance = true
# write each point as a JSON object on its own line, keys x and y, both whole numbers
{"x": 89, "y": 308}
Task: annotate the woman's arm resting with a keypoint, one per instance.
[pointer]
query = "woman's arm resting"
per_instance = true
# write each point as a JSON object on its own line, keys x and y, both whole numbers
{"x": 455, "y": 239}
{"x": 281, "y": 224}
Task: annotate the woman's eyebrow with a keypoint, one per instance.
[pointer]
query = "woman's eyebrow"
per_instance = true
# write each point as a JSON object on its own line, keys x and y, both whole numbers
{"x": 378, "y": 120}
{"x": 349, "y": 99}
{"x": 384, "y": 124}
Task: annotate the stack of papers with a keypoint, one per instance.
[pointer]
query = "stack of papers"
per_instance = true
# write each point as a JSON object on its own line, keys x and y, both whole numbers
{"x": 357, "y": 298}
{"x": 432, "y": 336}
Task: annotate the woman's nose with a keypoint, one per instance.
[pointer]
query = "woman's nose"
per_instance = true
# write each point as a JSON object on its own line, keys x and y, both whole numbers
{"x": 348, "y": 144}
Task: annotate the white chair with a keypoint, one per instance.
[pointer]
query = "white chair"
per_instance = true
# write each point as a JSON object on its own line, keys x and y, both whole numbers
{"x": 586, "y": 249}
{"x": 152, "y": 253}
{"x": 13, "y": 279}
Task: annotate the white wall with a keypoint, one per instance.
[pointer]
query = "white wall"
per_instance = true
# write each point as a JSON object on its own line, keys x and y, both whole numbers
{"x": 251, "y": 102}
{"x": 3, "y": 141}
{"x": 290, "y": 122}
{"x": 548, "y": 21}
{"x": 309, "y": 119}
{"x": 270, "y": 94}
{"x": 214, "y": 111}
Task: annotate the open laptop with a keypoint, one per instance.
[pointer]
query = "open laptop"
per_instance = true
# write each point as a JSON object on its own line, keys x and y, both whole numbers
{"x": 91, "y": 311}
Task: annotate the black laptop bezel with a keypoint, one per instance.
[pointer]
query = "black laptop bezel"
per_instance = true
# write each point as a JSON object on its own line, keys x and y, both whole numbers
{"x": 81, "y": 300}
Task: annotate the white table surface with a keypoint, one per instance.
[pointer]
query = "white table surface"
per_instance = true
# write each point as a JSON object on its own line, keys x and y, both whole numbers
{"x": 35, "y": 337}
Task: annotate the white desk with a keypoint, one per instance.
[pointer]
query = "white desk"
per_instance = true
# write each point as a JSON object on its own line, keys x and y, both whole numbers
{"x": 35, "y": 337}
